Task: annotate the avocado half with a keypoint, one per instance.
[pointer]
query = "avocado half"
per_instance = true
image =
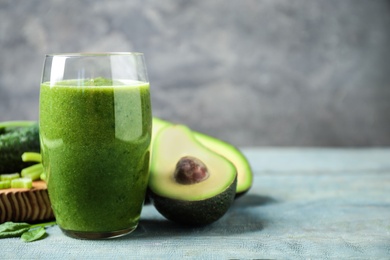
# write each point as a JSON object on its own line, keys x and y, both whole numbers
{"x": 230, "y": 152}
{"x": 188, "y": 183}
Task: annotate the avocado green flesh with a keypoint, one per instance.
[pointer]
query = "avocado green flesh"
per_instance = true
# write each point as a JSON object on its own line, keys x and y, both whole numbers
{"x": 202, "y": 212}
{"x": 244, "y": 172}
{"x": 174, "y": 142}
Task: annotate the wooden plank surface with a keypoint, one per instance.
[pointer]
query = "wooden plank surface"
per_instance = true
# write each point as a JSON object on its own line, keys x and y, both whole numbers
{"x": 304, "y": 203}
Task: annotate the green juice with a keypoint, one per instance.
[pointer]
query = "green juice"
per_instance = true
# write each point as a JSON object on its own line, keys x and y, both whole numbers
{"x": 95, "y": 138}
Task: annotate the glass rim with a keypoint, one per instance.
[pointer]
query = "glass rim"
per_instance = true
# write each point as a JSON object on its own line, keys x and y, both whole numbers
{"x": 93, "y": 54}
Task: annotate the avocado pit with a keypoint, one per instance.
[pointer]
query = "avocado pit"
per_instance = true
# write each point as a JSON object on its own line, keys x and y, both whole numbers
{"x": 190, "y": 170}
{"x": 181, "y": 187}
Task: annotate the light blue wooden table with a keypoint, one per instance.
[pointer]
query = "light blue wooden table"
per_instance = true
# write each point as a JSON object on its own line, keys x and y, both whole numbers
{"x": 304, "y": 203}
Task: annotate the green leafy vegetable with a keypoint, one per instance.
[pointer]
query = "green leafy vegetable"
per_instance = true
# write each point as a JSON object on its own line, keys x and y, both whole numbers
{"x": 27, "y": 232}
{"x": 33, "y": 234}
{"x": 11, "y": 229}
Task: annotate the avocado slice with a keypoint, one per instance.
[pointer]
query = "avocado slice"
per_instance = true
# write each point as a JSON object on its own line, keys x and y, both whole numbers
{"x": 188, "y": 183}
{"x": 230, "y": 152}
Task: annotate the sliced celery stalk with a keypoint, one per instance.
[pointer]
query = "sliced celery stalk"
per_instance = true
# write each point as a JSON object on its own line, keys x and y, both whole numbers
{"x": 9, "y": 176}
{"x": 34, "y": 176}
{"x": 43, "y": 176}
{"x": 31, "y": 157}
{"x": 32, "y": 169}
{"x": 5, "y": 184}
{"x": 21, "y": 183}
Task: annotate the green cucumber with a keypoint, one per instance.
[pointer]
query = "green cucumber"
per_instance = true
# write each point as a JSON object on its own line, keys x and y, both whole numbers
{"x": 15, "y": 142}
{"x": 10, "y": 126}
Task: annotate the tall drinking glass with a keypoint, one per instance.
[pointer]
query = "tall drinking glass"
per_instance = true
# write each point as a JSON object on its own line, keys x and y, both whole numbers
{"x": 95, "y": 129}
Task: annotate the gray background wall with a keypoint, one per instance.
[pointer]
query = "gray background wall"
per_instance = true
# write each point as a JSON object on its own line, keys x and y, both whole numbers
{"x": 268, "y": 73}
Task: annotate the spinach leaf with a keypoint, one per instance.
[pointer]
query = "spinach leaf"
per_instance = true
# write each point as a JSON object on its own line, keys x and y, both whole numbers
{"x": 26, "y": 231}
{"x": 11, "y": 229}
{"x": 33, "y": 234}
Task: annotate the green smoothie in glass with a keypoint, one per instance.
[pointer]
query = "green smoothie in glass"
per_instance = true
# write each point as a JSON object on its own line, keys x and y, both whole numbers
{"x": 95, "y": 138}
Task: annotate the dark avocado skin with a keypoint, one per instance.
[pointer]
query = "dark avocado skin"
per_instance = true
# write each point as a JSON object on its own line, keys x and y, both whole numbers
{"x": 195, "y": 213}
{"x": 14, "y": 143}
